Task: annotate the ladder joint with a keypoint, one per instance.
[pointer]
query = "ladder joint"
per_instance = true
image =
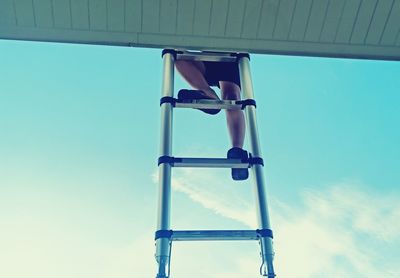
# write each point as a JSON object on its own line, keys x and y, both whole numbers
{"x": 246, "y": 102}
{"x": 173, "y": 52}
{"x": 254, "y": 160}
{"x": 265, "y": 233}
{"x": 163, "y": 234}
{"x": 168, "y": 159}
{"x": 170, "y": 100}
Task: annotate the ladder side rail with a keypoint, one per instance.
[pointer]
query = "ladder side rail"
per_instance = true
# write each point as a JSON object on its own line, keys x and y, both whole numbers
{"x": 267, "y": 252}
{"x": 255, "y": 149}
{"x": 163, "y": 245}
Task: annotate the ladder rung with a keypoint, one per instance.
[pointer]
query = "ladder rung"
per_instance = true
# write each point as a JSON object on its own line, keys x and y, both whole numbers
{"x": 209, "y": 104}
{"x": 215, "y": 235}
{"x": 210, "y": 163}
{"x": 206, "y": 56}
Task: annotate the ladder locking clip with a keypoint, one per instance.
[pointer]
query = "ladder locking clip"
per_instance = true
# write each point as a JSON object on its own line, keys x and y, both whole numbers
{"x": 265, "y": 233}
{"x": 171, "y": 100}
{"x": 168, "y": 159}
{"x": 163, "y": 234}
{"x": 242, "y": 55}
{"x": 246, "y": 102}
{"x": 253, "y": 160}
{"x": 170, "y": 51}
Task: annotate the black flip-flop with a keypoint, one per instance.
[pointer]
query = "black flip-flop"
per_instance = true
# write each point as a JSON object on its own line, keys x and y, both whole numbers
{"x": 185, "y": 94}
{"x": 239, "y": 174}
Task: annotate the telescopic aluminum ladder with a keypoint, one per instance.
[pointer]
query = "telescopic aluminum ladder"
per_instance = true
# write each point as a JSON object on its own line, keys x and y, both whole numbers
{"x": 164, "y": 236}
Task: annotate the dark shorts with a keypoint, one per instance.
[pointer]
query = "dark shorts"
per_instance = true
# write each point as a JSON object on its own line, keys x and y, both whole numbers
{"x": 221, "y": 71}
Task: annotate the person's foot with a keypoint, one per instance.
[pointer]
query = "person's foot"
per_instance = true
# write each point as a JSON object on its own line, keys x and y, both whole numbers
{"x": 238, "y": 174}
{"x": 185, "y": 94}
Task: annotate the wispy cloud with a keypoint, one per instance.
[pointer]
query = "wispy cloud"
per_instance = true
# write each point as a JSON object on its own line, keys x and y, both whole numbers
{"x": 373, "y": 215}
{"x": 338, "y": 232}
{"x": 209, "y": 191}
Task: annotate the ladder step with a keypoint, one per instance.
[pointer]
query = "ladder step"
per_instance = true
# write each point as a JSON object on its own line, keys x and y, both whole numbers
{"x": 215, "y": 235}
{"x": 206, "y": 56}
{"x": 209, "y": 104}
{"x": 210, "y": 163}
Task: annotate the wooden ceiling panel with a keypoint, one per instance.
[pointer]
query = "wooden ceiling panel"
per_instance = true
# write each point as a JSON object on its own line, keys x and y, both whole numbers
{"x": 367, "y": 29}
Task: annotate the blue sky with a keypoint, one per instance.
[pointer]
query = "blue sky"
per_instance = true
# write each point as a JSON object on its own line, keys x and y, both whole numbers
{"x": 78, "y": 183}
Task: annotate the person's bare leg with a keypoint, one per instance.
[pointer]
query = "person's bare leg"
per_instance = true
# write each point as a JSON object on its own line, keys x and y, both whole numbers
{"x": 193, "y": 73}
{"x": 234, "y": 118}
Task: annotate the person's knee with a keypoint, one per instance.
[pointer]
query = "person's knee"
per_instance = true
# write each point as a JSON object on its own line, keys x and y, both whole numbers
{"x": 231, "y": 95}
{"x": 183, "y": 66}
{"x": 230, "y": 91}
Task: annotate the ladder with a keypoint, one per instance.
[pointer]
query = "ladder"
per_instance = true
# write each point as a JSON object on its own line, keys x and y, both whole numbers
{"x": 164, "y": 236}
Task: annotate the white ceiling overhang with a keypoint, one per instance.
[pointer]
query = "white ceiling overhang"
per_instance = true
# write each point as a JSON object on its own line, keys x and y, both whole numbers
{"x": 366, "y": 29}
